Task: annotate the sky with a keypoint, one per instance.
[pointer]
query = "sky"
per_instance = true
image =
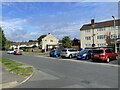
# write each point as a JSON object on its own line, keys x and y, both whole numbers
{"x": 23, "y": 21}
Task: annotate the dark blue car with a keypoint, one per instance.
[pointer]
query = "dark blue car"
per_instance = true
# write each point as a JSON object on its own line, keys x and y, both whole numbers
{"x": 55, "y": 53}
{"x": 84, "y": 54}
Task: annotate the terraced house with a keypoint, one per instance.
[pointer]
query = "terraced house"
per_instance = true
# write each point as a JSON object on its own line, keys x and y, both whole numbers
{"x": 96, "y": 32}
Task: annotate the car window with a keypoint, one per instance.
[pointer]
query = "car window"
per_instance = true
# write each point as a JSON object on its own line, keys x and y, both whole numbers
{"x": 72, "y": 50}
{"x": 97, "y": 51}
{"x": 64, "y": 50}
{"x": 108, "y": 51}
{"x": 89, "y": 51}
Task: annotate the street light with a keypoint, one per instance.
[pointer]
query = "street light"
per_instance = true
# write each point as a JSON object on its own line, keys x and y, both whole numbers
{"x": 93, "y": 25}
{"x": 114, "y": 34}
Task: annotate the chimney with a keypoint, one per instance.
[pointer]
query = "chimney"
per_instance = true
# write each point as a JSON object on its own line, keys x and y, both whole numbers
{"x": 92, "y": 21}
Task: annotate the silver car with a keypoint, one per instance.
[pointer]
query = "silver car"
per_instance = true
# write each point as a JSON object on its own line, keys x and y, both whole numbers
{"x": 69, "y": 52}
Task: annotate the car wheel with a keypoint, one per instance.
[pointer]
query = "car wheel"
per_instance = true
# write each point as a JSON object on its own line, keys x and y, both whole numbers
{"x": 93, "y": 60}
{"x": 70, "y": 56}
{"x": 56, "y": 55}
{"x": 108, "y": 60}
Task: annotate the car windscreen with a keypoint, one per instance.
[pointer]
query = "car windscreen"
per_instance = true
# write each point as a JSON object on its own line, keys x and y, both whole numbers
{"x": 97, "y": 51}
{"x": 83, "y": 51}
{"x": 64, "y": 50}
{"x": 72, "y": 50}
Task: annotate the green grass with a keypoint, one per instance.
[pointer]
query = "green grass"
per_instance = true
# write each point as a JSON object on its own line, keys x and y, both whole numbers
{"x": 35, "y": 53}
{"x": 16, "y": 67}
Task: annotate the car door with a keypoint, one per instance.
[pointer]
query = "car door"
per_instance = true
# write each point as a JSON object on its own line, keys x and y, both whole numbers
{"x": 89, "y": 53}
{"x": 113, "y": 54}
{"x": 109, "y": 54}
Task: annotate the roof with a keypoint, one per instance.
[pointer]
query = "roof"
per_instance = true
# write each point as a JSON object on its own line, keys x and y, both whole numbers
{"x": 48, "y": 35}
{"x": 23, "y": 43}
{"x": 101, "y": 24}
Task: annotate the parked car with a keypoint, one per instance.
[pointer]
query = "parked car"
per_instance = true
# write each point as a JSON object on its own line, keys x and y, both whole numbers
{"x": 11, "y": 51}
{"x": 84, "y": 54}
{"x": 17, "y": 52}
{"x": 55, "y": 53}
{"x": 69, "y": 52}
{"x": 104, "y": 54}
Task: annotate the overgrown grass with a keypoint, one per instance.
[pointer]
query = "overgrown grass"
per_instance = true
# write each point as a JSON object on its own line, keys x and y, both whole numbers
{"x": 16, "y": 67}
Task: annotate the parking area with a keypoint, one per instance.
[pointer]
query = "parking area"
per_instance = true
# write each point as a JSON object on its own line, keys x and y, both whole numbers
{"x": 114, "y": 62}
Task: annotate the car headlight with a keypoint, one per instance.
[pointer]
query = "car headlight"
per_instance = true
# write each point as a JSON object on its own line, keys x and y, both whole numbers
{"x": 84, "y": 54}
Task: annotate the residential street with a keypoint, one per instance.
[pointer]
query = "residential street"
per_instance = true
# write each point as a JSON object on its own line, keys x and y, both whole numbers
{"x": 62, "y": 73}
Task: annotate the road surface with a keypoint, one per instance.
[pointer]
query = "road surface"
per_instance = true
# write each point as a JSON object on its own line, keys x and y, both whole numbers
{"x": 62, "y": 73}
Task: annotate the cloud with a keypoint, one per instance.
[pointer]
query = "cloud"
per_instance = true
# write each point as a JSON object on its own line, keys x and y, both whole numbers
{"x": 14, "y": 30}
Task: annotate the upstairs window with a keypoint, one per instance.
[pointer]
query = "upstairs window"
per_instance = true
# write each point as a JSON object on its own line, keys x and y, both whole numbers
{"x": 51, "y": 40}
{"x": 101, "y": 37}
{"x": 87, "y": 30}
{"x": 88, "y": 38}
{"x": 100, "y": 29}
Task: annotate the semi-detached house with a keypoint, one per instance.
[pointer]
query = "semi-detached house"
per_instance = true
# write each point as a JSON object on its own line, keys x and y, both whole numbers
{"x": 98, "y": 31}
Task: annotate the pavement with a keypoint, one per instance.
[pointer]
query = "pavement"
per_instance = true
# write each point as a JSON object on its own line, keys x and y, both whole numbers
{"x": 8, "y": 79}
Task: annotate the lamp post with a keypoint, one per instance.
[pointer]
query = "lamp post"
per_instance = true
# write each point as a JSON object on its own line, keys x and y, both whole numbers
{"x": 92, "y": 22}
{"x": 115, "y": 35}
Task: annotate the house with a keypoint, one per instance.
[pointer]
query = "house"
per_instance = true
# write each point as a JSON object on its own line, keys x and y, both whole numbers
{"x": 95, "y": 33}
{"x": 48, "y": 42}
{"x": 18, "y": 45}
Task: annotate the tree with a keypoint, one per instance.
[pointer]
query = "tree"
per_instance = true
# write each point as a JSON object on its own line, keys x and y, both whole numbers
{"x": 66, "y": 41}
{"x": 4, "y": 43}
{"x": 3, "y": 39}
{"x": 75, "y": 42}
{"x": 109, "y": 40}
{"x": 40, "y": 38}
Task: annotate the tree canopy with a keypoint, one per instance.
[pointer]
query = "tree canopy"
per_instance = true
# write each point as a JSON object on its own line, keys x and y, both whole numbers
{"x": 40, "y": 38}
{"x": 66, "y": 41}
{"x": 109, "y": 40}
{"x": 3, "y": 41}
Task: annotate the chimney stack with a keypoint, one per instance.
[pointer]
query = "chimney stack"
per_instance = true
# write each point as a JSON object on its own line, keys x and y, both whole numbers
{"x": 92, "y": 21}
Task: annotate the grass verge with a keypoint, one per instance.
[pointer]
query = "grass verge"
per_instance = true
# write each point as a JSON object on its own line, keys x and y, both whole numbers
{"x": 16, "y": 67}
{"x": 35, "y": 53}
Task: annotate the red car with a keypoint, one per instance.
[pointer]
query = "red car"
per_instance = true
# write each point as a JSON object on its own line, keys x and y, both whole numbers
{"x": 17, "y": 52}
{"x": 105, "y": 54}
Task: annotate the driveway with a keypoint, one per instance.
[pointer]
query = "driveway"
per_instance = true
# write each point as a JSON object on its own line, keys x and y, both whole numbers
{"x": 63, "y": 73}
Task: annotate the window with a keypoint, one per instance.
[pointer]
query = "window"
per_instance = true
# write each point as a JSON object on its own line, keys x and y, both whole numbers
{"x": 113, "y": 36}
{"x": 118, "y": 35}
{"x": 88, "y": 38}
{"x": 87, "y": 30}
{"x": 101, "y": 44}
{"x": 108, "y": 51}
{"x": 112, "y": 28}
{"x": 100, "y": 29}
{"x": 101, "y": 37}
{"x": 51, "y": 40}
{"x": 88, "y": 45}
{"x": 98, "y": 51}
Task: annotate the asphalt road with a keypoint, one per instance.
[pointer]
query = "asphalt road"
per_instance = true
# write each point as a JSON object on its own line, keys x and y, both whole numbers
{"x": 62, "y": 73}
